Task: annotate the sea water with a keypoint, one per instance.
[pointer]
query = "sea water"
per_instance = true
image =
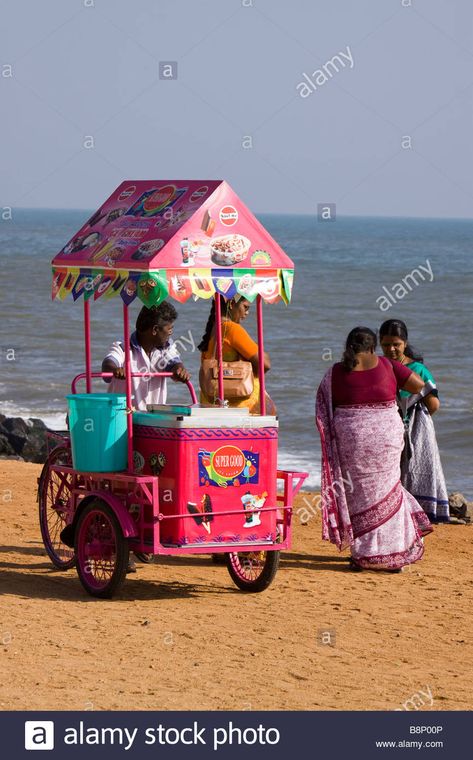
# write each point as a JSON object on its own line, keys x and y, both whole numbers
{"x": 344, "y": 269}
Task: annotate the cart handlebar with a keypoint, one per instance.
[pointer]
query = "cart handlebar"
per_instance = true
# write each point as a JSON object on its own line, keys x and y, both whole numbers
{"x": 83, "y": 375}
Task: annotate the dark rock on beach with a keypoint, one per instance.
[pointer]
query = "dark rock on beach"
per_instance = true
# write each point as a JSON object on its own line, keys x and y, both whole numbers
{"x": 460, "y": 508}
{"x": 23, "y": 439}
{"x": 6, "y": 449}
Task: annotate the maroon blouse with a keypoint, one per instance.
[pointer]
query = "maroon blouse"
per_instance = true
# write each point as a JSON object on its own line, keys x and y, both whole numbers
{"x": 370, "y": 385}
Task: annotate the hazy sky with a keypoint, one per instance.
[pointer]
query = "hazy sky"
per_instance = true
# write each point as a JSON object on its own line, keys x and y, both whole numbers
{"x": 84, "y": 107}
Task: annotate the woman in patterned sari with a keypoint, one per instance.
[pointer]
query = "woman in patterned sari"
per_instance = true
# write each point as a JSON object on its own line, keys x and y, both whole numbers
{"x": 421, "y": 468}
{"x": 364, "y": 505}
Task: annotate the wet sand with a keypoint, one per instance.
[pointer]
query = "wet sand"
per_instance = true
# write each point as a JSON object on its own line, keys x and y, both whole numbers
{"x": 181, "y": 636}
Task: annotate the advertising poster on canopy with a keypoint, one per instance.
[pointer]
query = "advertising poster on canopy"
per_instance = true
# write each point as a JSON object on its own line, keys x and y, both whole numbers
{"x": 185, "y": 237}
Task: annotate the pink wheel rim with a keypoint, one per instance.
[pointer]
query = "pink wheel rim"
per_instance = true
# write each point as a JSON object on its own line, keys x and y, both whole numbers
{"x": 97, "y": 549}
{"x": 248, "y": 565}
{"x": 56, "y": 513}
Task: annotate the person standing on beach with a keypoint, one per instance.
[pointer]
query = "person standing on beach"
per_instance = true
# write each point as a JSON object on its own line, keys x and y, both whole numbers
{"x": 364, "y": 505}
{"x": 152, "y": 350}
{"x": 421, "y": 468}
{"x": 236, "y": 344}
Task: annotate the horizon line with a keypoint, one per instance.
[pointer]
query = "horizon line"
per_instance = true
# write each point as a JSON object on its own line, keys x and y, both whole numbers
{"x": 277, "y": 213}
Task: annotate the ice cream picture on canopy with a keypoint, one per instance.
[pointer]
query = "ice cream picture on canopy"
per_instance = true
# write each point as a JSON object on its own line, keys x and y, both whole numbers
{"x": 169, "y": 479}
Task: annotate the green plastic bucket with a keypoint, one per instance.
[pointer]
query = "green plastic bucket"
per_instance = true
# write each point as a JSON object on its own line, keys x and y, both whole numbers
{"x": 98, "y": 428}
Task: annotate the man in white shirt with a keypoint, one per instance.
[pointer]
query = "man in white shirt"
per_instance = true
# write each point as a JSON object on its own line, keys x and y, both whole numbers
{"x": 152, "y": 350}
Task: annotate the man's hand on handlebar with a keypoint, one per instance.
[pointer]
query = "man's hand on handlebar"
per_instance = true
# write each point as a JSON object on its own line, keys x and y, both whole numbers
{"x": 119, "y": 373}
{"x": 180, "y": 374}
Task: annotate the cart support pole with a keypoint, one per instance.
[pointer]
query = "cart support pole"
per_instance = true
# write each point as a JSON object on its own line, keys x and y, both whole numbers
{"x": 262, "y": 394}
{"x": 129, "y": 420}
{"x": 218, "y": 336}
{"x": 88, "y": 360}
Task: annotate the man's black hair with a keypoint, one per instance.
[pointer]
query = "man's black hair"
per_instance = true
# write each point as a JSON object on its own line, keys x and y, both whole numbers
{"x": 155, "y": 315}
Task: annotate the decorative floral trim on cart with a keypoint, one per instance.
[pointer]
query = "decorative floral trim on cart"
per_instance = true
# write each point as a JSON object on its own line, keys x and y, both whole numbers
{"x": 236, "y": 539}
{"x": 180, "y": 284}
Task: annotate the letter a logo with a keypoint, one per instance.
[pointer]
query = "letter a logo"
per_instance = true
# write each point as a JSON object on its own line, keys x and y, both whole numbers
{"x": 39, "y": 734}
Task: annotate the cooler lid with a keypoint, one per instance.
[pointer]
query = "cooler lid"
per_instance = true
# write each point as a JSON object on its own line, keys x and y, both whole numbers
{"x": 196, "y": 410}
{"x": 204, "y": 418}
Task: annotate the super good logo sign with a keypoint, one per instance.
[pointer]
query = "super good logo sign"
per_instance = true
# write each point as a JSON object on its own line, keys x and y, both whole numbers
{"x": 228, "y": 466}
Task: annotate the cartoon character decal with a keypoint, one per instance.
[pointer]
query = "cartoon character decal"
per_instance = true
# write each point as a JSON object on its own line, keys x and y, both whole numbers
{"x": 138, "y": 462}
{"x": 252, "y": 505}
{"x": 157, "y": 463}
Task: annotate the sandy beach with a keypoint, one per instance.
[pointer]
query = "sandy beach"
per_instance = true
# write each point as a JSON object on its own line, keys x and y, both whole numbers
{"x": 181, "y": 636}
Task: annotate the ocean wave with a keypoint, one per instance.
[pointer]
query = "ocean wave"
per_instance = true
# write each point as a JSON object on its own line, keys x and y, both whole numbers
{"x": 52, "y": 420}
{"x": 300, "y": 463}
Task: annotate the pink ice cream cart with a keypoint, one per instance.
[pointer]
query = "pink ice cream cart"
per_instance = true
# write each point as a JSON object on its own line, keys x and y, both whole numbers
{"x": 174, "y": 479}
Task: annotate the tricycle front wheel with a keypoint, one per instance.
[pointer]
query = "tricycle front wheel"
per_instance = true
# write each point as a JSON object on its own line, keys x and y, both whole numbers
{"x": 253, "y": 571}
{"x": 101, "y": 550}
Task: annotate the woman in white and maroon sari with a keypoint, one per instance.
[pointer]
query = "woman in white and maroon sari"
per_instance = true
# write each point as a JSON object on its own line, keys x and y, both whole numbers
{"x": 364, "y": 505}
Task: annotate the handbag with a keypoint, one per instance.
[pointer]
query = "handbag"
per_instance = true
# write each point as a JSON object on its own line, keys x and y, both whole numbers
{"x": 238, "y": 378}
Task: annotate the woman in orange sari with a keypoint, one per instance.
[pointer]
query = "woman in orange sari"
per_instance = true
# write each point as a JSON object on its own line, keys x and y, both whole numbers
{"x": 236, "y": 344}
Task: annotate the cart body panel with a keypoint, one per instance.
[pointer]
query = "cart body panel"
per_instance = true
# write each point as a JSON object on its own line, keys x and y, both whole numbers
{"x": 216, "y": 475}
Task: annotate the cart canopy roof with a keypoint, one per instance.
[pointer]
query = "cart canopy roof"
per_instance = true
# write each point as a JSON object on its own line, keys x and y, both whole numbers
{"x": 155, "y": 239}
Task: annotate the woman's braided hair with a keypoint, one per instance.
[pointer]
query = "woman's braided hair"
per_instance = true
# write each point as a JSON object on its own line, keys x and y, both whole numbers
{"x": 359, "y": 339}
{"x": 204, "y": 343}
{"x": 224, "y": 308}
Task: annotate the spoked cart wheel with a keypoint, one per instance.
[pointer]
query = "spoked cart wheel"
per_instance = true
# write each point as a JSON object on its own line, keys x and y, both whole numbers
{"x": 253, "y": 571}
{"x": 54, "y": 492}
{"x": 102, "y": 551}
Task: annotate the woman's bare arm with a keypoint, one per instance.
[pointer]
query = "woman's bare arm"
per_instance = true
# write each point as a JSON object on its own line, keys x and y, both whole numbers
{"x": 414, "y": 383}
{"x": 108, "y": 365}
{"x": 255, "y": 363}
{"x": 432, "y": 403}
